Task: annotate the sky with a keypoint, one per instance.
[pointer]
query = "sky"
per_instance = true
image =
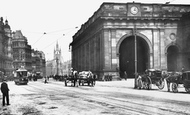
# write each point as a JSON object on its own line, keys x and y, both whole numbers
{"x": 46, "y": 22}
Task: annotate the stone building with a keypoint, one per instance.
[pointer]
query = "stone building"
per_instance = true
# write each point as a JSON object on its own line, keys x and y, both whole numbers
{"x": 133, "y": 37}
{"x": 38, "y": 62}
{"x": 6, "y": 48}
{"x": 21, "y": 51}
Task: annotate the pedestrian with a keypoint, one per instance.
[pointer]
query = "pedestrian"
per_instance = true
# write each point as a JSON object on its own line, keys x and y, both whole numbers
{"x": 5, "y": 92}
{"x": 125, "y": 75}
{"x": 139, "y": 82}
{"x": 45, "y": 79}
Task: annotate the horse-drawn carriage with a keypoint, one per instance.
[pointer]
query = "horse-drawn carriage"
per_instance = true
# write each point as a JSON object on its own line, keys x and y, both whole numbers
{"x": 72, "y": 78}
{"x": 80, "y": 78}
{"x": 86, "y": 77}
{"x": 149, "y": 78}
{"x": 178, "y": 79}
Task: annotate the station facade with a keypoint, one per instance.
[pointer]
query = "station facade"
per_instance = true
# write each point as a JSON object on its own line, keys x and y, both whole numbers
{"x": 133, "y": 37}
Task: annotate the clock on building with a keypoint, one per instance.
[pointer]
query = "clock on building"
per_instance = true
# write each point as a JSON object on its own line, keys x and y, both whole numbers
{"x": 172, "y": 36}
{"x": 134, "y": 10}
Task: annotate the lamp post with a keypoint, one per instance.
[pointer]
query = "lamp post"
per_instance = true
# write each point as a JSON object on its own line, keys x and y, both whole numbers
{"x": 134, "y": 33}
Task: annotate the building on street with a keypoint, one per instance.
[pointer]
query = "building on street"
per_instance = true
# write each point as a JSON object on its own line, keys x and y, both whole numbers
{"x": 6, "y": 57}
{"x": 133, "y": 37}
{"x": 38, "y": 62}
{"x": 21, "y": 51}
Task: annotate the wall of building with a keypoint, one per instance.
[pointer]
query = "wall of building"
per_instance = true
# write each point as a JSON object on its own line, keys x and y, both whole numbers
{"x": 21, "y": 51}
{"x": 157, "y": 24}
{"x": 87, "y": 53}
{"x": 183, "y": 39}
{"x": 6, "y": 49}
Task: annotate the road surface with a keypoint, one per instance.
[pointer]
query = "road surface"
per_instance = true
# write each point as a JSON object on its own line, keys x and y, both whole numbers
{"x": 106, "y": 98}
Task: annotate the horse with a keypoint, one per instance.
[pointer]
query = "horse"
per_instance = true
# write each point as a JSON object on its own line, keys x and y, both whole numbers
{"x": 143, "y": 81}
{"x": 173, "y": 77}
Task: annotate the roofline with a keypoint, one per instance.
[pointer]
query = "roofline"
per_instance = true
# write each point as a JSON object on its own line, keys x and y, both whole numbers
{"x": 164, "y": 4}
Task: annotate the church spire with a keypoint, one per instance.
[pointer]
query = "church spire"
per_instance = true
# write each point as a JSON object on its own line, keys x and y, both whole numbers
{"x": 57, "y": 46}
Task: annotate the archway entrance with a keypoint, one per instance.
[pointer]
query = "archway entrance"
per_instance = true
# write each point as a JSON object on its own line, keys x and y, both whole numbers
{"x": 127, "y": 56}
{"x": 172, "y": 56}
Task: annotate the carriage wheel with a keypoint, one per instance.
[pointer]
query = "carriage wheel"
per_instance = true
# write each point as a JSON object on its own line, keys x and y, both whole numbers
{"x": 161, "y": 84}
{"x": 187, "y": 90}
{"x": 174, "y": 87}
{"x": 145, "y": 85}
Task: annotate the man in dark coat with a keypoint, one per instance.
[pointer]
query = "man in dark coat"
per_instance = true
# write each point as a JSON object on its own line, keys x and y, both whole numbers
{"x": 5, "y": 92}
{"x": 125, "y": 75}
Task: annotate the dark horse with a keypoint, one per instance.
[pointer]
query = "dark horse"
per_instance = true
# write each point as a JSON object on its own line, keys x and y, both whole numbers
{"x": 173, "y": 77}
{"x": 73, "y": 78}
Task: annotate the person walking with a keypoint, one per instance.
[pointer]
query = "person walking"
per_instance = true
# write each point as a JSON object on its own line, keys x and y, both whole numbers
{"x": 125, "y": 75}
{"x": 5, "y": 92}
{"x": 45, "y": 79}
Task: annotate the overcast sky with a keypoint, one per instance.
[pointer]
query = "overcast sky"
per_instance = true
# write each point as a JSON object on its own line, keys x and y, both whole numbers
{"x": 57, "y": 18}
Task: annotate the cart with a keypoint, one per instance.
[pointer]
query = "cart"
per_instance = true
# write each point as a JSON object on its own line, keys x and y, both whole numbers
{"x": 86, "y": 77}
{"x": 178, "y": 80}
{"x": 149, "y": 78}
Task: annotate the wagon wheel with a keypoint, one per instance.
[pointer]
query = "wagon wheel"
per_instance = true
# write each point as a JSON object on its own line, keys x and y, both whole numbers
{"x": 187, "y": 90}
{"x": 174, "y": 87}
{"x": 145, "y": 85}
{"x": 161, "y": 84}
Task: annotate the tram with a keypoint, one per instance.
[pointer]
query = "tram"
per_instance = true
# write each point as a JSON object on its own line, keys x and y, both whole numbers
{"x": 21, "y": 77}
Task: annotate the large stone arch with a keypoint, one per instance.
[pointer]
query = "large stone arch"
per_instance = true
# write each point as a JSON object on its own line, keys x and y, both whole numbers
{"x": 172, "y": 52}
{"x": 131, "y": 34}
{"x": 172, "y": 44}
{"x": 125, "y": 54}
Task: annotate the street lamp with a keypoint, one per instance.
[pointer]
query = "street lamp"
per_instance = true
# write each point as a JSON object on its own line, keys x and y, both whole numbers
{"x": 134, "y": 33}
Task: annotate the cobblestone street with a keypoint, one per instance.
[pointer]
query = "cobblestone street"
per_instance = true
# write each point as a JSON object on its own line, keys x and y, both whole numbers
{"x": 113, "y": 98}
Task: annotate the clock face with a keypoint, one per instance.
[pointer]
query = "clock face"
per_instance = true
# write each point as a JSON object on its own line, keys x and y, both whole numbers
{"x": 134, "y": 10}
{"x": 172, "y": 36}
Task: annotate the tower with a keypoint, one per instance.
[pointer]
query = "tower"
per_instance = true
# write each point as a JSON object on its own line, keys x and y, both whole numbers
{"x": 57, "y": 58}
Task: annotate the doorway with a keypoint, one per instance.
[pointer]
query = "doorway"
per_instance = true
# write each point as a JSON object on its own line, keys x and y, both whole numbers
{"x": 172, "y": 56}
{"x": 127, "y": 56}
